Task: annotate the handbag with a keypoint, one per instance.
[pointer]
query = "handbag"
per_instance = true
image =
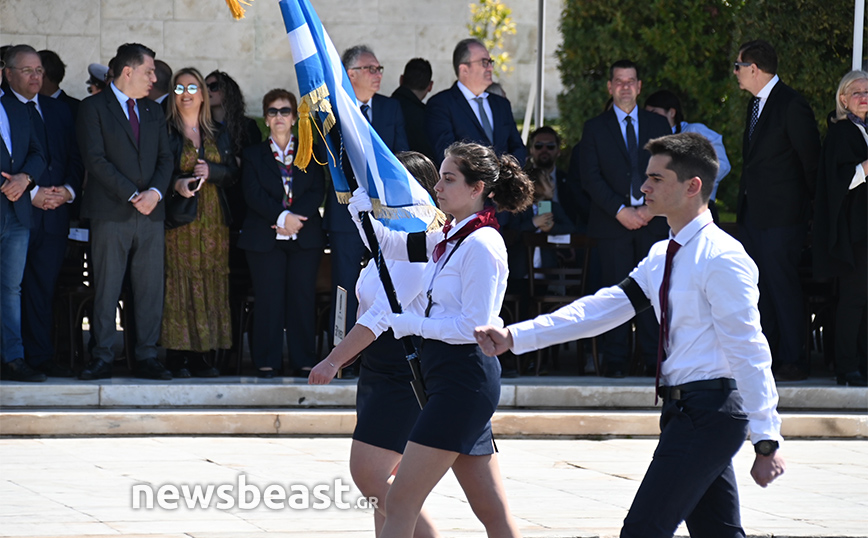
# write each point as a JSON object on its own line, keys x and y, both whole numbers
{"x": 179, "y": 210}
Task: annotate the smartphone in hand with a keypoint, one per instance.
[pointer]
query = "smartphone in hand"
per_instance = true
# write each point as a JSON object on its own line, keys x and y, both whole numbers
{"x": 544, "y": 206}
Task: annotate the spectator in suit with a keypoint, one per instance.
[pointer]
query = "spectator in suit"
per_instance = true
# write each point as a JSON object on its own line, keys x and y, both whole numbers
{"x": 160, "y": 89}
{"x": 51, "y": 198}
{"x": 544, "y": 148}
{"x": 414, "y": 86}
{"x": 55, "y": 70}
{"x": 21, "y": 160}
{"x": 125, "y": 145}
{"x": 668, "y": 105}
{"x": 467, "y": 112}
{"x": 781, "y": 153}
{"x": 613, "y": 160}
{"x": 283, "y": 238}
{"x": 384, "y": 113}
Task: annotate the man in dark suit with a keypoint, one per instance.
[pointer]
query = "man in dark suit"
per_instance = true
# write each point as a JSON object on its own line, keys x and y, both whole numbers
{"x": 160, "y": 90}
{"x": 125, "y": 146}
{"x": 466, "y": 112}
{"x": 781, "y": 151}
{"x": 384, "y": 113}
{"x": 21, "y": 159}
{"x": 414, "y": 85}
{"x": 55, "y": 70}
{"x": 51, "y": 199}
{"x": 544, "y": 148}
{"x": 612, "y": 161}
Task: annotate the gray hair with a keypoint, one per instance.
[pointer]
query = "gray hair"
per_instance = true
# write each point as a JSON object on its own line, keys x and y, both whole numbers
{"x": 351, "y": 55}
{"x": 849, "y": 78}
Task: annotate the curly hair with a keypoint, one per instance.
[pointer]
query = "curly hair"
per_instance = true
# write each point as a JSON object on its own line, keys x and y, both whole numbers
{"x": 233, "y": 106}
{"x": 502, "y": 176}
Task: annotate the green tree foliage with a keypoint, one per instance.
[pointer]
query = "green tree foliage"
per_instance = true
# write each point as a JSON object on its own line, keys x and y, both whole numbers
{"x": 490, "y": 21}
{"x": 688, "y": 46}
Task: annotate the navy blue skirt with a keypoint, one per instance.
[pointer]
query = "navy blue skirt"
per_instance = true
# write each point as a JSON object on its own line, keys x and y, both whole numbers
{"x": 386, "y": 408}
{"x": 463, "y": 387}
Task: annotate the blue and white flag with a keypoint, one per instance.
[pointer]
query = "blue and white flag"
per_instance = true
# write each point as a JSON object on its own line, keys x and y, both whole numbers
{"x": 399, "y": 201}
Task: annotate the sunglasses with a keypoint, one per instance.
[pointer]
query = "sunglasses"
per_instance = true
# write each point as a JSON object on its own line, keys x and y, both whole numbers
{"x": 214, "y": 86}
{"x": 273, "y": 112}
{"x": 548, "y": 145}
{"x": 739, "y": 65}
{"x": 192, "y": 89}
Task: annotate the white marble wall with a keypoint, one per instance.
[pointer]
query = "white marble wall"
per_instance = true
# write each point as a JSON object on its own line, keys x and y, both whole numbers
{"x": 254, "y": 51}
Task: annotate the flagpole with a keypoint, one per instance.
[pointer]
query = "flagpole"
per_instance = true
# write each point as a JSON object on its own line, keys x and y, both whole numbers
{"x": 410, "y": 351}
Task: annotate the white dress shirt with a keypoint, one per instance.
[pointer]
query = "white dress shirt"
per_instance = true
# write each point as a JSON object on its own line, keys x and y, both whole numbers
{"x": 374, "y": 308}
{"x": 466, "y": 292}
{"x": 763, "y": 94}
{"x": 715, "y": 327}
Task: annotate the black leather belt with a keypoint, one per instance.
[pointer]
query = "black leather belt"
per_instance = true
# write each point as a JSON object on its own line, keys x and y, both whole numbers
{"x": 674, "y": 393}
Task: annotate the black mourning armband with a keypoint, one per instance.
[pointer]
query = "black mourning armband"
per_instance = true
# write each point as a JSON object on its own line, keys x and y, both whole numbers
{"x": 417, "y": 248}
{"x": 635, "y": 294}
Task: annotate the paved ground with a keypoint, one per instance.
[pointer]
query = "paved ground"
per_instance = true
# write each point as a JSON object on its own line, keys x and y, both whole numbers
{"x": 61, "y": 487}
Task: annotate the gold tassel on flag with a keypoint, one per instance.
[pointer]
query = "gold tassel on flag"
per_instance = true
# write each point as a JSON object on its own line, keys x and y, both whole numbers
{"x": 236, "y": 9}
{"x": 315, "y": 101}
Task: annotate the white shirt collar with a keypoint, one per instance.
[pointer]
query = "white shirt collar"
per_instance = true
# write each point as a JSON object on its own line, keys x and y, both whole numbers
{"x": 457, "y": 226}
{"x": 56, "y": 94}
{"x": 121, "y": 96}
{"x": 767, "y": 89}
{"x": 469, "y": 95}
{"x": 688, "y": 232}
{"x": 24, "y": 99}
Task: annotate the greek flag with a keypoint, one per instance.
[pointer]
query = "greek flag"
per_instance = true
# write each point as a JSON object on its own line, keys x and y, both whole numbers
{"x": 399, "y": 201}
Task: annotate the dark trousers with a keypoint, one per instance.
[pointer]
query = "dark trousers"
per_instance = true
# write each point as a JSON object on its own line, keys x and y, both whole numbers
{"x": 284, "y": 283}
{"x": 141, "y": 241}
{"x": 44, "y": 260}
{"x": 850, "y": 318}
{"x": 347, "y": 251}
{"x": 776, "y": 252}
{"x": 617, "y": 258}
{"x": 691, "y": 477}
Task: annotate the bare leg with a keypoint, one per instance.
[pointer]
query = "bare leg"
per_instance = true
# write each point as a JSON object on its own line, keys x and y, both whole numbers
{"x": 371, "y": 468}
{"x": 480, "y": 479}
{"x": 421, "y": 468}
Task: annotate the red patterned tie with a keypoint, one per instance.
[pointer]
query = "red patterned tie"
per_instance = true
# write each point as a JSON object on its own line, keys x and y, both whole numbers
{"x": 134, "y": 120}
{"x": 664, "y": 311}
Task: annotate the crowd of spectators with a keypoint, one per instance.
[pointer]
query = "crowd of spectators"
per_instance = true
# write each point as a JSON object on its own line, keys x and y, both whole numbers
{"x": 149, "y": 143}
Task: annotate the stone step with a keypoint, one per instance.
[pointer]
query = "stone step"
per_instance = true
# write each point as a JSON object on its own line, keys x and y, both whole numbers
{"x": 290, "y": 393}
{"x": 317, "y": 422}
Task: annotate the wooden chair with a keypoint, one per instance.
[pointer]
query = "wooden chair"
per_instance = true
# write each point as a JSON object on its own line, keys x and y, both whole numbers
{"x": 550, "y": 288}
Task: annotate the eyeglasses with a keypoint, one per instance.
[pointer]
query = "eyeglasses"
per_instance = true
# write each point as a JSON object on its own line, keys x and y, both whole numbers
{"x": 548, "y": 145}
{"x": 739, "y": 65}
{"x": 192, "y": 89}
{"x": 213, "y": 86}
{"x": 29, "y": 71}
{"x": 273, "y": 112}
{"x": 372, "y": 69}
{"x": 859, "y": 94}
{"x": 484, "y": 61}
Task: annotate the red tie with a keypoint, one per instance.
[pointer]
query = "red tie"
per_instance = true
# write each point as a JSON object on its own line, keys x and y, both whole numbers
{"x": 134, "y": 120}
{"x": 664, "y": 311}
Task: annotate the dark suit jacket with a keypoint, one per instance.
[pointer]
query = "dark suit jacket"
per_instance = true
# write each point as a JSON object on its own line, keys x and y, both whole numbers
{"x": 27, "y": 154}
{"x": 64, "y": 166}
{"x": 263, "y": 191}
{"x": 780, "y": 161}
{"x": 388, "y": 120}
{"x": 513, "y": 225}
{"x": 117, "y": 167}
{"x": 70, "y": 102}
{"x": 605, "y": 168}
{"x": 449, "y": 118}
{"x": 414, "y": 120}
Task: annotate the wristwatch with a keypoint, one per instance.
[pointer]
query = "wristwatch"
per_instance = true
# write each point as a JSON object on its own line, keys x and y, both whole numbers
{"x": 766, "y": 447}
{"x": 30, "y": 183}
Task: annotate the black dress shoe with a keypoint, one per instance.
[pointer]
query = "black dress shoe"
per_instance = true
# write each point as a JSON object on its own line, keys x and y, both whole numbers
{"x": 53, "y": 369}
{"x": 265, "y": 374}
{"x": 181, "y": 373}
{"x": 853, "y": 379}
{"x": 791, "y": 372}
{"x": 152, "y": 369}
{"x": 207, "y": 372}
{"x": 18, "y": 370}
{"x": 96, "y": 369}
